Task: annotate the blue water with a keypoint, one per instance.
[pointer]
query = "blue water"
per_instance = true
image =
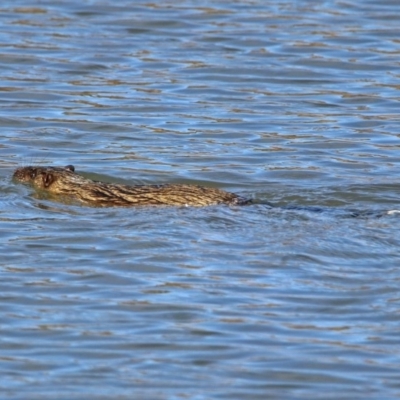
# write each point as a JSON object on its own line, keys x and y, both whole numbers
{"x": 294, "y": 104}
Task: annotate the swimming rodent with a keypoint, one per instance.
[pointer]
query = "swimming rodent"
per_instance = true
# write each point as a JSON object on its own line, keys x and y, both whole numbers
{"x": 66, "y": 185}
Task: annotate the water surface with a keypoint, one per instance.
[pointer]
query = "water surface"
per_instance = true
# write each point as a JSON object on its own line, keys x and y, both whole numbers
{"x": 293, "y": 104}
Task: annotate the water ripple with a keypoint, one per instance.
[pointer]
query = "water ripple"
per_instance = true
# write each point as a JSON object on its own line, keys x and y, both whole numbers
{"x": 294, "y": 104}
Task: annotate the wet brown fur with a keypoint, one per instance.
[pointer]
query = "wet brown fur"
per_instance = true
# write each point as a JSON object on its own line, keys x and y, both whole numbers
{"x": 65, "y": 184}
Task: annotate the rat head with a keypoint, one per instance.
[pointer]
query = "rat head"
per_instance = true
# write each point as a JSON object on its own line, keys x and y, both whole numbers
{"x": 41, "y": 177}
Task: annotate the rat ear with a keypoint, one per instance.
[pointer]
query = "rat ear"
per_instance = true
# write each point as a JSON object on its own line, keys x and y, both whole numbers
{"x": 48, "y": 179}
{"x": 70, "y": 168}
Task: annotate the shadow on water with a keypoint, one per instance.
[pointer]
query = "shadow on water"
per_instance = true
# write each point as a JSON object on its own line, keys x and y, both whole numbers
{"x": 354, "y": 201}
